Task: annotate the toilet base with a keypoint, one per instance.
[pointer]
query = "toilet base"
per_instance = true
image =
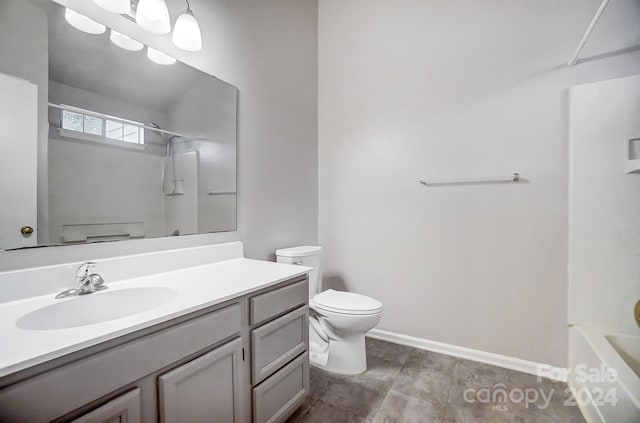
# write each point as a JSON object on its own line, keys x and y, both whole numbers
{"x": 345, "y": 356}
{"x": 317, "y": 357}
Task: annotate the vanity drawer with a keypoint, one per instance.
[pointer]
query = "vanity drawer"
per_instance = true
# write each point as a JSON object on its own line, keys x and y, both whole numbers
{"x": 278, "y": 397}
{"x": 278, "y": 342}
{"x": 272, "y": 303}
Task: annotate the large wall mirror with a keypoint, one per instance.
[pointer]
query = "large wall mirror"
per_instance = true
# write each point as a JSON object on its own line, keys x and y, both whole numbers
{"x": 100, "y": 143}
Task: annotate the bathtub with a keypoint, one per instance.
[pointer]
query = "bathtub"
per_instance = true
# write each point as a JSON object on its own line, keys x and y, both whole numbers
{"x": 604, "y": 374}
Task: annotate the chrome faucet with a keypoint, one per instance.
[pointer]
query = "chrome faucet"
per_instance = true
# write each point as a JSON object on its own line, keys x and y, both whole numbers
{"x": 86, "y": 281}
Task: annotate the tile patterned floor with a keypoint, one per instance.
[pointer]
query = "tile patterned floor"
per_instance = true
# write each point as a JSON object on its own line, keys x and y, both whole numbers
{"x": 404, "y": 384}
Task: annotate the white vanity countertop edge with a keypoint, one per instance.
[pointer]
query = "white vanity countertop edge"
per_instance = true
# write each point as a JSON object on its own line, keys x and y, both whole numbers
{"x": 197, "y": 287}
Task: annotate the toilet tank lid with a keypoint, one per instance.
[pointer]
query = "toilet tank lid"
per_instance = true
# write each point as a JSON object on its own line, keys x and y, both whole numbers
{"x": 304, "y": 251}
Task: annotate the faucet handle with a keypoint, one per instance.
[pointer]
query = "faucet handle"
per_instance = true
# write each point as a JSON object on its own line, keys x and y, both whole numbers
{"x": 85, "y": 268}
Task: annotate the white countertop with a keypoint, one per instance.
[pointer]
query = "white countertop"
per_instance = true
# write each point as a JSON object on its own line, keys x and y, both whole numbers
{"x": 197, "y": 287}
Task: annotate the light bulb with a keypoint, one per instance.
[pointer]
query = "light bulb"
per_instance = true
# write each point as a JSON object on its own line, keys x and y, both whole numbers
{"x": 125, "y": 42}
{"x": 115, "y": 6}
{"x": 159, "y": 57}
{"x": 83, "y": 23}
{"x": 186, "y": 32}
{"x": 153, "y": 16}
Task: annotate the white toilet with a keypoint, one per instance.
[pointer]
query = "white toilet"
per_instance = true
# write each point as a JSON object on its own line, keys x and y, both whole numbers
{"x": 338, "y": 321}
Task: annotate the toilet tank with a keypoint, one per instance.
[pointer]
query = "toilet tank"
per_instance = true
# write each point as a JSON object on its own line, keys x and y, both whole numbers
{"x": 305, "y": 256}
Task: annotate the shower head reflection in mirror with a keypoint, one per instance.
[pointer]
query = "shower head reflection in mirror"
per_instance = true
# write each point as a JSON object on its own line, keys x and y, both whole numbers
{"x": 170, "y": 160}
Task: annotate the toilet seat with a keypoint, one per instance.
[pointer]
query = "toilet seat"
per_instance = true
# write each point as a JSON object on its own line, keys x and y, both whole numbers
{"x": 347, "y": 303}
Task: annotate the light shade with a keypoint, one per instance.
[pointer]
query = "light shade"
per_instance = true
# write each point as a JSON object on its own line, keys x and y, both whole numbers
{"x": 125, "y": 42}
{"x": 115, "y": 6}
{"x": 83, "y": 23}
{"x": 153, "y": 16}
{"x": 159, "y": 57}
{"x": 186, "y": 32}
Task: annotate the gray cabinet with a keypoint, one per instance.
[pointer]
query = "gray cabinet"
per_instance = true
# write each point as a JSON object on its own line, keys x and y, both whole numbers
{"x": 87, "y": 381}
{"x": 204, "y": 389}
{"x": 277, "y": 301}
{"x": 232, "y": 362}
{"x": 275, "y": 344}
{"x": 279, "y": 396}
{"x": 122, "y": 409}
{"x": 279, "y": 357}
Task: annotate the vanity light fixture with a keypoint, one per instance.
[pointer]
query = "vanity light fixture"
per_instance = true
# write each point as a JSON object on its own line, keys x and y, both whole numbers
{"x": 186, "y": 32}
{"x": 82, "y": 23}
{"x": 159, "y": 57}
{"x": 120, "y": 7}
{"x": 153, "y": 16}
{"x": 124, "y": 41}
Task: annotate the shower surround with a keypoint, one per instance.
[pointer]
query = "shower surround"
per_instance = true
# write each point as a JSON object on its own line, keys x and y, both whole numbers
{"x": 604, "y": 246}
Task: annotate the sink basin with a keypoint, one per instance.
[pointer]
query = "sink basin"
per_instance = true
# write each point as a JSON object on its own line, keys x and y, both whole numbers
{"x": 95, "y": 308}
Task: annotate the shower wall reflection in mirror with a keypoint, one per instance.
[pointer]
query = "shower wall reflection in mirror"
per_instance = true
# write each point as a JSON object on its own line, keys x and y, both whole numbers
{"x": 134, "y": 149}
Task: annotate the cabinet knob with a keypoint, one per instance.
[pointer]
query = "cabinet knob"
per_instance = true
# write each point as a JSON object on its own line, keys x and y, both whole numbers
{"x": 26, "y": 230}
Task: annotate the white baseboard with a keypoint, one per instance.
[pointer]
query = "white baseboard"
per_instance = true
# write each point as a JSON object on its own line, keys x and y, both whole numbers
{"x": 512, "y": 363}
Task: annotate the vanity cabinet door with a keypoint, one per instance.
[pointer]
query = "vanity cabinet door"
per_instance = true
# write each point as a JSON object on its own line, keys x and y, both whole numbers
{"x": 207, "y": 389}
{"x": 123, "y": 409}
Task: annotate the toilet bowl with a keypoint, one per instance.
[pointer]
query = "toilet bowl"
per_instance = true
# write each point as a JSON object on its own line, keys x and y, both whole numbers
{"x": 344, "y": 318}
{"x": 338, "y": 321}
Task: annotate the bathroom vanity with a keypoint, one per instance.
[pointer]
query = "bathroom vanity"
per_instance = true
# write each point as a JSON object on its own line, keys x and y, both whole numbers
{"x": 230, "y": 344}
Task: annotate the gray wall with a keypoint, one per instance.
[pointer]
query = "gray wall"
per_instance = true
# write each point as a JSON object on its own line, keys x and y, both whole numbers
{"x": 445, "y": 90}
{"x": 268, "y": 50}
